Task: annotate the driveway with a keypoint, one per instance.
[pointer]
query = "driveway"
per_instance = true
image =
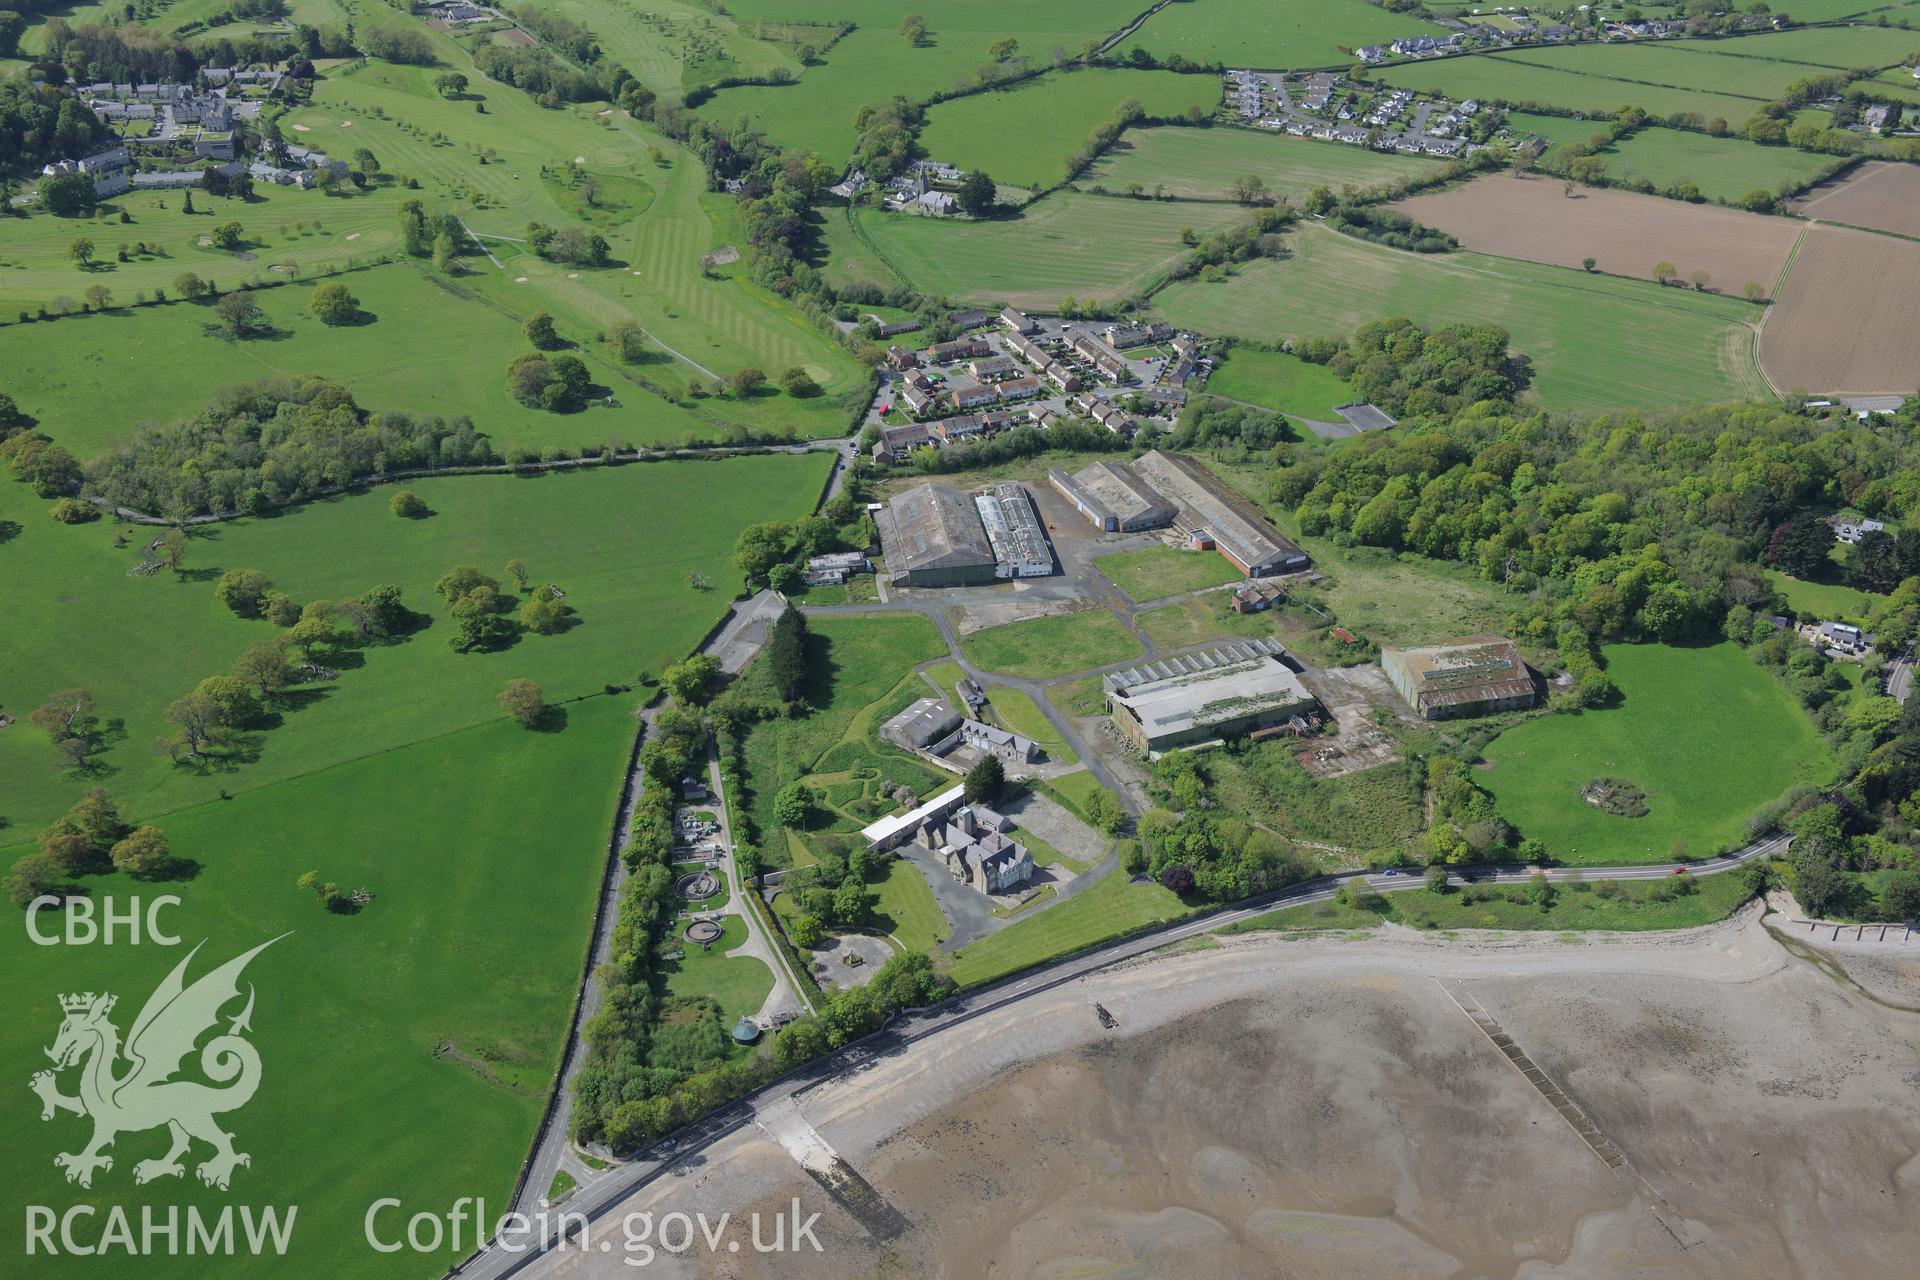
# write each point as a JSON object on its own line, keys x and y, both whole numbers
{"x": 969, "y": 914}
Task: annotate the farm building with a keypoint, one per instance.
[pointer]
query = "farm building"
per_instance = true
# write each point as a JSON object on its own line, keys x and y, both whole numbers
{"x": 931, "y": 536}
{"x": 922, "y": 724}
{"x": 1113, "y": 497}
{"x": 891, "y": 833}
{"x": 1204, "y": 697}
{"x": 1472, "y": 676}
{"x": 1212, "y": 514}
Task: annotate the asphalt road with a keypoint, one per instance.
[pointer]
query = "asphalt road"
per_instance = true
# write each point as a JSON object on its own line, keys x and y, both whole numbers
{"x": 1900, "y": 676}
{"x": 524, "y": 1253}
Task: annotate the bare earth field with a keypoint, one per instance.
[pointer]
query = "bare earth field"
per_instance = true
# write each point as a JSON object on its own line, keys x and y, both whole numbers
{"x": 1624, "y": 232}
{"x": 1876, "y": 194}
{"x": 1847, "y": 319}
{"x": 1323, "y": 1108}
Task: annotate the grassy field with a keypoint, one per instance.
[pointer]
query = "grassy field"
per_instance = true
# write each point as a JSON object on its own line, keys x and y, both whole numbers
{"x": 1041, "y": 648}
{"x": 717, "y": 322}
{"x": 408, "y": 1045}
{"x": 1278, "y": 381}
{"x": 1594, "y": 342}
{"x": 1706, "y": 733}
{"x": 739, "y": 983}
{"x": 670, "y": 46}
{"x": 874, "y": 61}
{"x": 1201, "y": 618}
{"x": 1110, "y": 908}
{"x": 1024, "y": 135}
{"x": 1022, "y": 714}
{"x": 1723, "y": 168}
{"x": 1254, "y": 33}
{"x": 1201, "y": 164}
{"x": 1087, "y": 246}
{"x": 69, "y": 373}
{"x": 1629, "y": 906}
{"x": 845, "y": 257}
{"x": 1504, "y": 79}
{"x": 1154, "y": 573}
{"x": 907, "y": 908}
{"x": 620, "y": 542}
{"x": 1832, "y": 601}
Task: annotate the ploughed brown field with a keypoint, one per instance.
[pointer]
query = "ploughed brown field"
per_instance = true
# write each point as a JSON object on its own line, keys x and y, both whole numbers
{"x": 1847, "y": 320}
{"x": 1625, "y": 233}
{"x": 1876, "y": 194}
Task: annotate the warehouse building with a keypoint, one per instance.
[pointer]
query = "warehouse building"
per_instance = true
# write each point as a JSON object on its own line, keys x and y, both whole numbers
{"x": 1013, "y": 528}
{"x": 1213, "y": 516}
{"x": 1473, "y": 676}
{"x": 1113, "y": 497}
{"x": 933, "y": 535}
{"x": 1205, "y": 697}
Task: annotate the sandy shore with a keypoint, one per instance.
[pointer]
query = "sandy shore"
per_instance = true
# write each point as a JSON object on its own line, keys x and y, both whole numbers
{"x": 1325, "y": 1108}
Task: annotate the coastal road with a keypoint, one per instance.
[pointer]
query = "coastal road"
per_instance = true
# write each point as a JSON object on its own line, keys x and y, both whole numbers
{"x": 1900, "y": 676}
{"x": 525, "y": 1251}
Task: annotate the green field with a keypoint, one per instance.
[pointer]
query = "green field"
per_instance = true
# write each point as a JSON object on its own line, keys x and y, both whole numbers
{"x": 409, "y": 1045}
{"x": 1261, "y": 33}
{"x": 1628, "y": 906}
{"x": 1022, "y": 714}
{"x": 1200, "y": 164}
{"x": 670, "y": 46}
{"x": 1153, "y": 573}
{"x": 619, "y": 541}
{"x": 1041, "y": 648}
{"x": 846, "y": 256}
{"x": 1024, "y": 135}
{"x": 1595, "y": 342}
{"x": 1087, "y": 246}
{"x": 70, "y": 373}
{"x": 1503, "y": 79}
{"x": 1707, "y": 734}
{"x": 1723, "y": 168}
{"x": 716, "y": 324}
{"x": 874, "y": 62}
{"x": 1728, "y": 78}
{"x": 1110, "y": 908}
{"x": 1278, "y": 381}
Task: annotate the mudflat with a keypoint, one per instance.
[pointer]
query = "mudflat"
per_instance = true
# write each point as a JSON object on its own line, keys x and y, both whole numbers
{"x": 1326, "y": 1108}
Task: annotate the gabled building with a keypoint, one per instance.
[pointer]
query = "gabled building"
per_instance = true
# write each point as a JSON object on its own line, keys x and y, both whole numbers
{"x": 1474, "y": 676}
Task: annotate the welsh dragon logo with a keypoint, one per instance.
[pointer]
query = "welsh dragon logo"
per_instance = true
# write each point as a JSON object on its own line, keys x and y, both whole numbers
{"x": 145, "y": 1095}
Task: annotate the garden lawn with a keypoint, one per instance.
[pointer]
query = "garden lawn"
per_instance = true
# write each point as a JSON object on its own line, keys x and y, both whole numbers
{"x": 1110, "y": 908}
{"x": 907, "y": 909}
{"x": 620, "y": 542}
{"x": 1022, "y": 714}
{"x": 1706, "y": 733}
{"x": 1041, "y": 648}
{"x": 1281, "y": 382}
{"x": 1024, "y": 135}
{"x": 1154, "y": 573}
{"x": 409, "y": 1045}
{"x": 1201, "y": 164}
{"x": 1097, "y": 248}
{"x": 1830, "y": 601}
{"x": 1595, "y": 342}
{"x": 739, "y": 983}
